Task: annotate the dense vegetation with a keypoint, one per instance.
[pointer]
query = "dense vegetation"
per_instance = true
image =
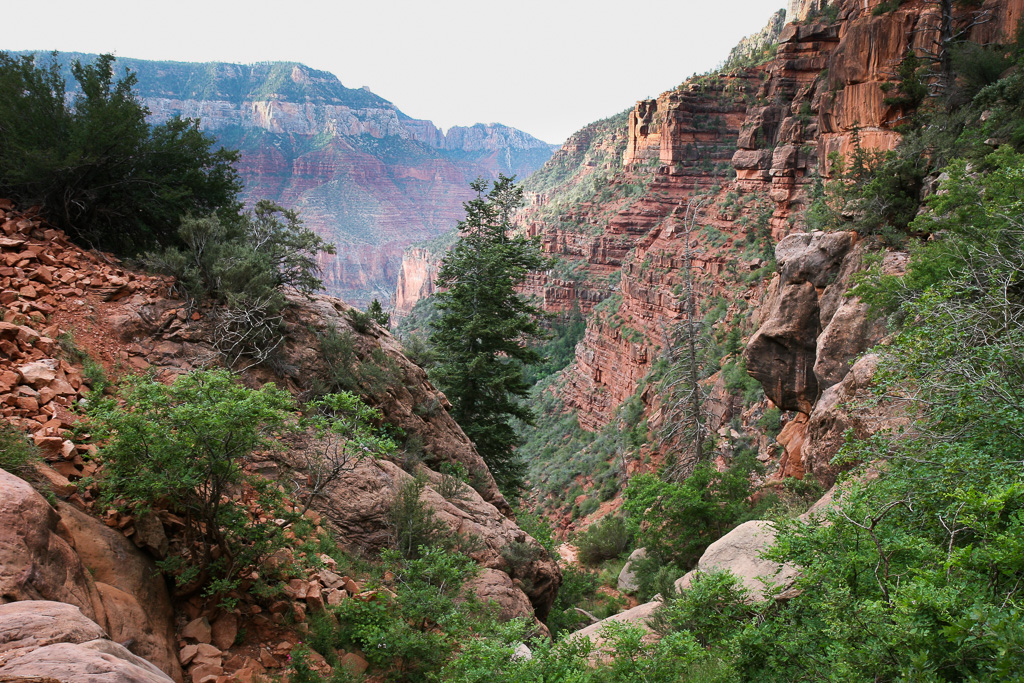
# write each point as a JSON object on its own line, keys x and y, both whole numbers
{"x": 101, "y": 171}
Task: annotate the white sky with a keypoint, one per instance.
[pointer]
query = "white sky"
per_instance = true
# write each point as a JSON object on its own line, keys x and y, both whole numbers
{"x": 548, "y": 67}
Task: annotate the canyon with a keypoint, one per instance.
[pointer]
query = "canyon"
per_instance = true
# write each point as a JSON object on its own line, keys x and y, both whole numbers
{"x": 707, "y": 186}
{"x": 361, "y": 173}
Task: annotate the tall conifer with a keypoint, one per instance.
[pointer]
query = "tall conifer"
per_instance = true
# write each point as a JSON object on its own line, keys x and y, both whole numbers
{"x": 481, "y": 336}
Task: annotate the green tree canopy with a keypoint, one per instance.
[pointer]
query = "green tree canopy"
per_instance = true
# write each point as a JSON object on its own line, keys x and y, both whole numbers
{"x": 482, "y": 333}
{"x": 101, "y": 172}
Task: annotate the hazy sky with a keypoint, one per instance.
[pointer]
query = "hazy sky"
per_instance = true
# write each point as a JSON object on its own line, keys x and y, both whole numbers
{"x": 548, "y": 67}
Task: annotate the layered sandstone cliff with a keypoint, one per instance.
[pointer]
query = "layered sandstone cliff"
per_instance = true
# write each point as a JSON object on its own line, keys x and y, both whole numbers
{"x": 719, "y": 174}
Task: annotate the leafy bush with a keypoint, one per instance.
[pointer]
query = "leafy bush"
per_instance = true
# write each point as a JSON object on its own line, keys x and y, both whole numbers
{"x": 16, "y": 451}
{"x": 713, "y": 607}
{"x": 676, "y": 522}
{"x": 411, "y": 635}
{"x": 100, "y": 170}
{"x": 184, "y": 445}
{"x": 359, "y": 320}
{"x": 602, "y": 541}
{"x": 413, "y": 525}
{"x": 376, "y": 311}
{"x": 244, "y": 260}
{"x": 345, "y": 434}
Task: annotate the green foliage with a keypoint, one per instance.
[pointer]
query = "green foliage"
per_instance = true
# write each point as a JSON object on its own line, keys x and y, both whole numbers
{"x": 886, "y": 7}
{"x": 482, "y": 335}
{"x": 244, "y": 260}
{"x": 454, "y": 476}
{"x": 338, "y": 351}
{"x": 376, "y": 311}
{"x": 738, "y": 382}
{"x": 92, "y": 372}
{"x": 559, "y": 350}
{"x": 184, "y": 446}
{"x": 413, "y": 524}
{"x": 602, "y": 540}
{"x": 100, "y": 170}
{"x": 876, "y": 193}
{"x": 17, "y": 452}
{"x": 675, "y": 522}
{"x": 977, "y": 216}
{"x": 345, "y": 433}
{"x": 714, "y": 606}
{"x": 410, "y": 637}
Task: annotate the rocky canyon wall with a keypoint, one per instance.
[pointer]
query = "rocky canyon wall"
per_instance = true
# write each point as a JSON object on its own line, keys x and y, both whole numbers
{"x": 715, "y": 180}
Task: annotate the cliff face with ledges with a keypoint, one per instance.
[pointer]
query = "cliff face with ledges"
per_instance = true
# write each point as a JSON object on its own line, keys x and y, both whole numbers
{"x": 747, "y": 146}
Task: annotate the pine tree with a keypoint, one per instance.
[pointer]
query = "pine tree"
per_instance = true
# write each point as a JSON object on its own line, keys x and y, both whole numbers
{"x": 481, "y": 336}
{"x": 379, "y": 315}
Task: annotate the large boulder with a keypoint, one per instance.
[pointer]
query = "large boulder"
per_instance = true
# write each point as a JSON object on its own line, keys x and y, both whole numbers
{"x": 739, "y": 552}
{"x": 42, "y": 640}
{"x": 358, "y": 503}
{"x": 781, "y": 354}
{"x": 135, "y": 597}
{"x": 35, "y": 562}
{"x": 627, "y": 577}
{"x": 494, "y": 586}
{"x": 641, "y": 616}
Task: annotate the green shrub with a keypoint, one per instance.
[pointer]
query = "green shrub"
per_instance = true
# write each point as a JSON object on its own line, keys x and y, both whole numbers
{"x": 185, "y": 445}
{"x": 101, "y": 172}
{"x": 359, "y": 320}
{"x": 246, "y": 260}
{"x": 602, "y": 540}
{"x": 17, "y": 452}
{"x": 676, "y": 522}
{"x": 376, "y": 312}
{"x": 412, "y": 635}
{"x": 413, "y": 525}
{"x": 715, "y": 606}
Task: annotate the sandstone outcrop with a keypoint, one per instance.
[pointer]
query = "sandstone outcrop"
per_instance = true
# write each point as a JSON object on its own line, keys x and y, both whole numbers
{"x": 135, "y": 599}
{"x": 35, "y": 562}
{"x": 494, "y": 586}
{"x": 357, "y": 506}
{"x": 841, "y": 408}
{"x": 640, "y": 616}
{"x": 45, "y": 640}
{"x": 783, "y": 352}
{"x": 739, "y": 552}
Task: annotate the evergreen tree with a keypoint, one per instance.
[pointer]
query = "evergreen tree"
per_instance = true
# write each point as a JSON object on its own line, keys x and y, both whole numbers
{"x": 482, "y": 333}
{"x": 379, "y": 315}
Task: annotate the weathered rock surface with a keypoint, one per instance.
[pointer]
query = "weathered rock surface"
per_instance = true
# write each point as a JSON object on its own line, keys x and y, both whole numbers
{"x": 739, "y": 552}
{"x": 838, "y": 412}
{"x": 132, "y": 589}
{"x": 640, "y": 615}
{"x": 35, "y": 562}
{"x": 492, "y": 585}
{"x": 627, "y": 577}
{"x": 40, "y": 639}
{"x": 357, "y": 506}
